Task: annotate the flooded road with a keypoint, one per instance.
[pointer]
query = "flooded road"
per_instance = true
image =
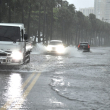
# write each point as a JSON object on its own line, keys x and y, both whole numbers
{"x": 77, "y": 81}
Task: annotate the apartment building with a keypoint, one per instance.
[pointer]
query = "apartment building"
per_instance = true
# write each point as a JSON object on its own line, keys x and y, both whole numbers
{"x": 107, "y": 11}
{"x": 87, "y": 11}
{"x": 102, "y": 9}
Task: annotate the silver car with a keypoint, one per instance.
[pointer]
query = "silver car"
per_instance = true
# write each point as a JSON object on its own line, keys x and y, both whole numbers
{"x": 55, "y": 46}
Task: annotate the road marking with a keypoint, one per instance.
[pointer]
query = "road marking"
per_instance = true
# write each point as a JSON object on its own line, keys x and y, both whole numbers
{"x": 8, "y": 103}
{"x": 25, "y": 94}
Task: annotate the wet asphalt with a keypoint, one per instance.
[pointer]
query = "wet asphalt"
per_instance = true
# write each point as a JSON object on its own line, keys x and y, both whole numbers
{"x": 31, "y": 86}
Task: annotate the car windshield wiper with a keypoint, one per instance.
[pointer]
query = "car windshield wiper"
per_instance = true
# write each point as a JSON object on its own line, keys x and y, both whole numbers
{"x": 10, "y": 39}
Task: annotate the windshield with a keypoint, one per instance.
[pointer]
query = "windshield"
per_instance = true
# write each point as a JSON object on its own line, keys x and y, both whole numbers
{"x": 55, "y": 43}
{"x": 9, "y": 33}
{"x": 83, "y": 44}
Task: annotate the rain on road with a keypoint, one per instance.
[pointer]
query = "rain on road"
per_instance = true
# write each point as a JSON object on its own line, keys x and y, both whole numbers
{"x": 77, "y": 81}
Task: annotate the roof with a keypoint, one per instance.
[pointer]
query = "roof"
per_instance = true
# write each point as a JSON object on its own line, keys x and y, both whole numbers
{"x": 21, "y": 25}
{"x": 55, "y": 41}
{"x": 83, "y": 42}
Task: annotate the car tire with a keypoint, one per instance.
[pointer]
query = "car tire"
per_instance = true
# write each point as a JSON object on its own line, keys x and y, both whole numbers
{"x": 88, "y": 50}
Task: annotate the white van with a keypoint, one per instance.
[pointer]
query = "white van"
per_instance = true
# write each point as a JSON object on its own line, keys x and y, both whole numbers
{"x": 13, "y": 41}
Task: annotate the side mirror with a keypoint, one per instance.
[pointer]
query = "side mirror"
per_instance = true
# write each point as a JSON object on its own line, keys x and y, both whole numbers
{"x": 25, "y": 36}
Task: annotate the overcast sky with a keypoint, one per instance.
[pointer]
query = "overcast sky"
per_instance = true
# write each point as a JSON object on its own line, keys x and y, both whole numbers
{"x": 82, "y": 3}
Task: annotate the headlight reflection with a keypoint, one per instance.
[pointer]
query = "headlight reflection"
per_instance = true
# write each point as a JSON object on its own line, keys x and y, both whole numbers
{"x": 14, "y": 87}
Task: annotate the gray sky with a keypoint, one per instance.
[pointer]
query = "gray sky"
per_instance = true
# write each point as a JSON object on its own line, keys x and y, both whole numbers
{"x": 82, "y": 3}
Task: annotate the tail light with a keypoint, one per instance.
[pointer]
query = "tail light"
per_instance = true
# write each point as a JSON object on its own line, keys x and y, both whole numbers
{"x": 88, "y": 46}
{"x": 78, "y": 45}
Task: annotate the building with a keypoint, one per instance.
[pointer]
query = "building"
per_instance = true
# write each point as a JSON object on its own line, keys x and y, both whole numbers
{"x": 107, "y": 11}
{"x": 87, "y": 11}
{"x": 102, "y": 10}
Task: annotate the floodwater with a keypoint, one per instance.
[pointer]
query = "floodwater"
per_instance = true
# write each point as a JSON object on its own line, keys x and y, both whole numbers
{"x": 81, "y": 77}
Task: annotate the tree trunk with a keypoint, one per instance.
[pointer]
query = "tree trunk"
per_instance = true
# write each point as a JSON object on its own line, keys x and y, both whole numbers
{"x": 44, "y": 24}
{"x": 51, "y": 32}
{"x": 23, "y": 11}
{"x": 47, "y": 26}
{"x": 9, "y": 12}
{"x": 39, "y": 23}
{"x": 28, "y": 24}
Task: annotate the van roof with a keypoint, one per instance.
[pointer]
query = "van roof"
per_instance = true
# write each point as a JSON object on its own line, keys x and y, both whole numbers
{"x": 21, "y": 25}
{"x": 55, "y": 41}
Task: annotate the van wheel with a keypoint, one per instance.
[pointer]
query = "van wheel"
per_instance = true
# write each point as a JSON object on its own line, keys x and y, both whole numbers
{"x": 24, "y": 60}
{"x": 28, "y": 59}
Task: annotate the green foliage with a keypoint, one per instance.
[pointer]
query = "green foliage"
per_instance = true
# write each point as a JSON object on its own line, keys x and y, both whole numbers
{"x": 56, "y": 19}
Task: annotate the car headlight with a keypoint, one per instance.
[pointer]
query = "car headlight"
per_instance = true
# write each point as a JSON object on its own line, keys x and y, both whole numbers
{"x": 17, "y": 55}
{"x": 29, "y": 47}
{"x": 49, "y": 48}
{"x": 60, "y": 49}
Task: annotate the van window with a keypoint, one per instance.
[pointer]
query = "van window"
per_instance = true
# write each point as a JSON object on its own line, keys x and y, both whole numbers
{"x": 55, "y": 43}
{"x": 9, "y": 33}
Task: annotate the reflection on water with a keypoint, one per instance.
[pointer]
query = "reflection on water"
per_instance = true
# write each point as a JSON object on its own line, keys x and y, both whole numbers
{"x": 58, "y": 81}
{"x": 60, "y": 57}
{"x": 86, "y": 88}
{"x": 13, "y": 89}
{"x": 14, "y": 85}
{"x": 55, "y": 102}
{"x": 47, "y": 57}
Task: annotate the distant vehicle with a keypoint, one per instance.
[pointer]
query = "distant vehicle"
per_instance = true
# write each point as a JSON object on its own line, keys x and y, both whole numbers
{"x": 84, "y": 46}
{"x": 55, "y": 46}
{"x": 15, "y": 47}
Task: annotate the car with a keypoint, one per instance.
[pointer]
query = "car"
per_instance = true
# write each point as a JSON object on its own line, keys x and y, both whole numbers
{"x": 55, "y": 46}
{"x": 84, "y": 46}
